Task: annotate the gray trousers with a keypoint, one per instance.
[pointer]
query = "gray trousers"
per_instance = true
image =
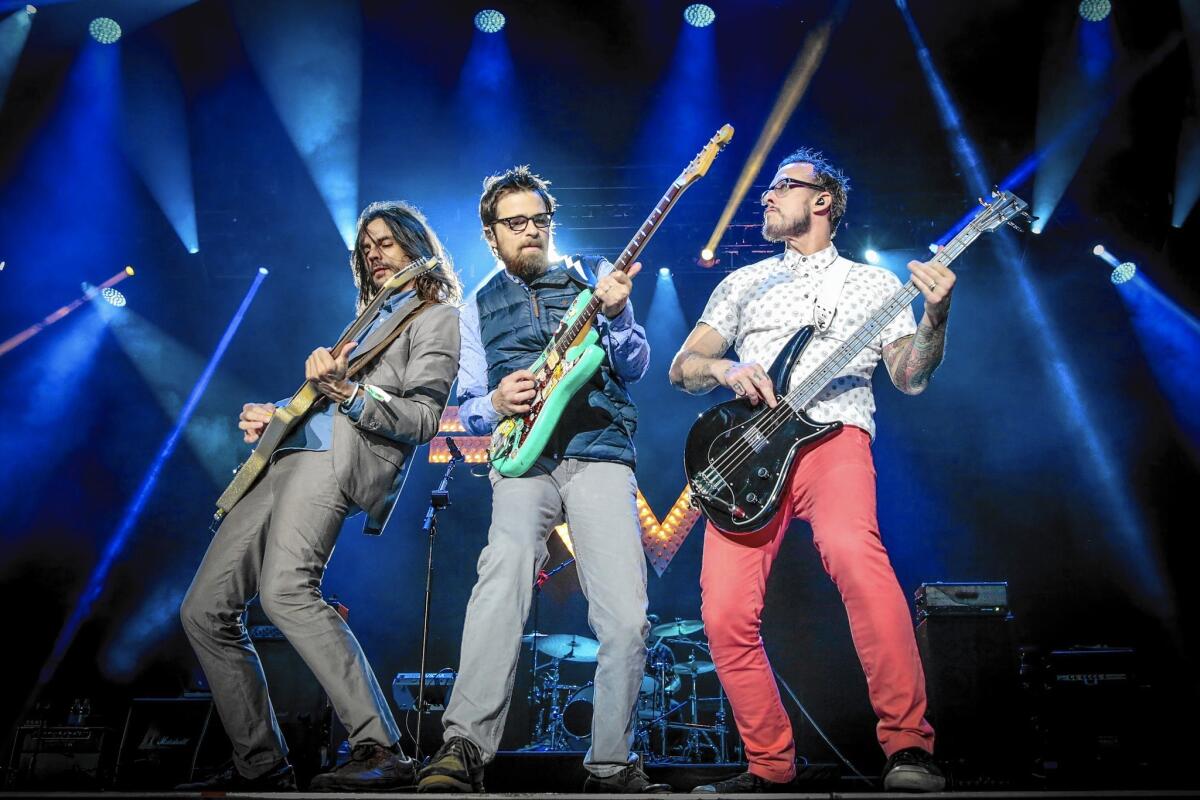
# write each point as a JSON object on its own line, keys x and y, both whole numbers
{"x": 275, "y": 543}
{"x": 598, "y": 502}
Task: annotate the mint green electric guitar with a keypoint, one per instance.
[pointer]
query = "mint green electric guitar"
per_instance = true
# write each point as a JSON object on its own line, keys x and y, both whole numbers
{"x": 574, "y": 354}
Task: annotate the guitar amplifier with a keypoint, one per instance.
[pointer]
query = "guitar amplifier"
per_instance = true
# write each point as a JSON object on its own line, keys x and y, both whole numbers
{"x": 61, "y": 757}
{"x": 438, "y": 686}
{"x": 953, "y": 599}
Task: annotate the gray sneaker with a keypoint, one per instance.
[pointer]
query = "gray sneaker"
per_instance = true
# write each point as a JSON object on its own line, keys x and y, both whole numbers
{"x": 912, "y": 770}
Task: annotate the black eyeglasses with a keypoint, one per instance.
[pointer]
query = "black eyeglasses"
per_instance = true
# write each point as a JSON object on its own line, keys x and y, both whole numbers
{"x": 785, "y": 185}
{"x": 521, "y": 222}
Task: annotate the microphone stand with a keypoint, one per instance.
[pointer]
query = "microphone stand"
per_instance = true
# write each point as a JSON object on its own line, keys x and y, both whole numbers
{"x": 538, "y": 582}
{"x": 438, "y": 498}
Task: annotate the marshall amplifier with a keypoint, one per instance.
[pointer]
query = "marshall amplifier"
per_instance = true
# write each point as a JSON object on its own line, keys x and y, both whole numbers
{"x": 989, "y": 598}
{"x": 168, "y": 741}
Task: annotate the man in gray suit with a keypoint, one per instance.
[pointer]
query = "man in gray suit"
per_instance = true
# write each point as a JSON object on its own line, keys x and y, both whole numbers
{"x": 349, "y": 456}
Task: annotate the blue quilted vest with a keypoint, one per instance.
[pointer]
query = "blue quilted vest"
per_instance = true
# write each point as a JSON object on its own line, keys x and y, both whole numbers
{"x": 516, "y": 321}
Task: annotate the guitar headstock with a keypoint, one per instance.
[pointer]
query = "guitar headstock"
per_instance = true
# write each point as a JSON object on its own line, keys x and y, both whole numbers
{"x": 408, "y": 272}
{"x": 698, "y": 167}
{"x": 1005, "y": 208}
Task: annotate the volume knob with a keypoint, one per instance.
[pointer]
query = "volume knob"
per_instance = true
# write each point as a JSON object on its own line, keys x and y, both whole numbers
{"x": 751, "y": 497}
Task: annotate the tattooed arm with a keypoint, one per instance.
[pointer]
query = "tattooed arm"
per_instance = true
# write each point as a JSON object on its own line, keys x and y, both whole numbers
{"x": 911, "y": 360}
{"x": 699, "y": 368}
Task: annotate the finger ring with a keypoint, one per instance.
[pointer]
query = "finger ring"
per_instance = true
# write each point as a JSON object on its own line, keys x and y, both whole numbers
{"x": 932, "y": 286}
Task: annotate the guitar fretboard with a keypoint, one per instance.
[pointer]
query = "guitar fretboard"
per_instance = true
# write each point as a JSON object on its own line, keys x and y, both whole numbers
{"x": 802, "y": 395}
{"x": 628, "y": 256}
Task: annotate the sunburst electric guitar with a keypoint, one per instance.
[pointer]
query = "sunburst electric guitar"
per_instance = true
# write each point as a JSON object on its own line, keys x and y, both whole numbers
{"x": 287, "y": 418}
{"x": 738, "y": 457}
{"x": 574, "y": 354}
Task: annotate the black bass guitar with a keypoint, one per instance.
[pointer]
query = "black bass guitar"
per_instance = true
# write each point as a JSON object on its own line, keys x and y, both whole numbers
{"x": 738, "y": 457}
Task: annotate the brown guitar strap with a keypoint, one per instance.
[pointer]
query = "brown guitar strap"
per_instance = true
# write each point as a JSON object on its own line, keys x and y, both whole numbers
{"x": 361, "y": 361}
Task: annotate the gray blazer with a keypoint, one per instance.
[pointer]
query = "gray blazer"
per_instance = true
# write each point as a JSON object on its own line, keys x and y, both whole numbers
{"x": 371, "y": 455}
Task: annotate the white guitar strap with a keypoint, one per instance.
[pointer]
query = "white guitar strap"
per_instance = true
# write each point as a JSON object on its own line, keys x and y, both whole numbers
{"x": 825, "y": 303}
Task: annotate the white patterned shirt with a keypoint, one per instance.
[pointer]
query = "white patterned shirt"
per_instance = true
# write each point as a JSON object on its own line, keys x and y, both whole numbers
{"x": 759, "y": 307}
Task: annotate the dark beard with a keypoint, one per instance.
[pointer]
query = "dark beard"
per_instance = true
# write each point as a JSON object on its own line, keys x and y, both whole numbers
{"x": 528, "y": 266}
{"x": 779, "y": 230}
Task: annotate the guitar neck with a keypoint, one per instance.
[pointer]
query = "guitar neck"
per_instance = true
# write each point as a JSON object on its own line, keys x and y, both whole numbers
{"x": 832, "y": 366}
{"x": 624, "y": 261}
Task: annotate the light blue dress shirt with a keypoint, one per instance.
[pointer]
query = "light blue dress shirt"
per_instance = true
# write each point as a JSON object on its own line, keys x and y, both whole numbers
{"x": 317, "y": 433}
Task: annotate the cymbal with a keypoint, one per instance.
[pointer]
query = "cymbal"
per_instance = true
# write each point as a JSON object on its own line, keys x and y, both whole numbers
{"x": 529, "y": 637}
{"x": 680, "y": 627}
{"x": 569, "y": 647}
{"x": 694, "y": 667}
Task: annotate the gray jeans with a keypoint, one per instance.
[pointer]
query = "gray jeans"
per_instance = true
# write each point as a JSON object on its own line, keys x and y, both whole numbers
{"x": 598, "y": 502}
{"x": 275, "y": 543}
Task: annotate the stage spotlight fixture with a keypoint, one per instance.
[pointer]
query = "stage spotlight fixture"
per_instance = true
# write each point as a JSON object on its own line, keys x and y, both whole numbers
{"x": 871, "y": 256}
{"x": 706, "y": 254}
{"x": 489, "y": 21}
{"x": 933, "y": 248}
{"x": 1098, "y": 250}
{"x": 1094, "y": 10}
{"x": 263, "y": 271}
{"x": 1124, "y": 272}
{"x": 193, "y": 250}
{"x": 664, "y": 272}
{"x": 699, "y": 15}
{"x": 113, "y": 297}
{"x": 31, "y": 9}
{"x": 105, "y": 30}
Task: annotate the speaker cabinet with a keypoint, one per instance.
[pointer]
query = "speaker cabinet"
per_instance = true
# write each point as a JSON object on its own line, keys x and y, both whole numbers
{"x": 972, "y": 678}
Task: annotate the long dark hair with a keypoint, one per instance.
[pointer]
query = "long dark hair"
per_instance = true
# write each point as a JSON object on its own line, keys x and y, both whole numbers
{"x": 412, "y": 232}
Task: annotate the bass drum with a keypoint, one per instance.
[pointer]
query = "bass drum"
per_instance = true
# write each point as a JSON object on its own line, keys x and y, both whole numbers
{"x": 577, "y": 713}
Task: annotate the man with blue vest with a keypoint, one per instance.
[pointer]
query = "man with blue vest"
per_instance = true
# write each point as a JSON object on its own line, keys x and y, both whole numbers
{"x": 584, "y": 477}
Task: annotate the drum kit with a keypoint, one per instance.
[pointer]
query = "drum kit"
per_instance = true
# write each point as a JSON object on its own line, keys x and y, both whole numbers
{"x": 675, "y": 722}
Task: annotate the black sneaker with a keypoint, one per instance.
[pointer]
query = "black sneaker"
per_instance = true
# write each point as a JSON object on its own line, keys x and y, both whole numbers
{"x": 371, "y": 768}
{"x": 745, "y": 783}
{"x": 631, "y": 780}
{"x": 912, "y": 770}
{"x": 280, "y": 778}
{"x": 456, "y": 767}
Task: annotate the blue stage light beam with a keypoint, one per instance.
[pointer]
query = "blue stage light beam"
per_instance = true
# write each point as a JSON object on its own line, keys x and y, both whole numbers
{"x": 168, "y": 367}
{"x": 1170, "y": 339}
{"x": 489, "y": 104}
{"x": 486, "y": 98}
{"x": 688, "y": 105}
{"x": 14, "y": 30}
{"x": 1076, "y": 96}
{"x": 156, "y": 139}
{"x": 1187, "y": 164}
{"x": 44, "y": 392}
{"x": 309, "y": 60}
{"x": 1145, "y": 578}
{"x": 116, "y": 545}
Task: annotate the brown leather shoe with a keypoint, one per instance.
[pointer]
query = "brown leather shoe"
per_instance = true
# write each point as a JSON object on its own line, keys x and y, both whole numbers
{"x": 371, "y": 768}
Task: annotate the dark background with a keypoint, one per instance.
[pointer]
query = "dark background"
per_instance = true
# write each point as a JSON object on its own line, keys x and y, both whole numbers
{"x": 989, "y": 475}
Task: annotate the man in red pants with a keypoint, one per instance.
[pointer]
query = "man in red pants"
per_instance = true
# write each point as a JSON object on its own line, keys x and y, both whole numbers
{"x": 756, "y": 310}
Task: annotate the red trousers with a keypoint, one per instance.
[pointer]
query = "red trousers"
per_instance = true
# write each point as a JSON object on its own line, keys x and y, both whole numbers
{"x": 832, "y": 488}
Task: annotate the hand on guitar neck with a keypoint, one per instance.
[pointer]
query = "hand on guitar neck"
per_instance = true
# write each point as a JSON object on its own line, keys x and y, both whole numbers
{"x": 326, "y": 370}
{"x": 614, "y": 288}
